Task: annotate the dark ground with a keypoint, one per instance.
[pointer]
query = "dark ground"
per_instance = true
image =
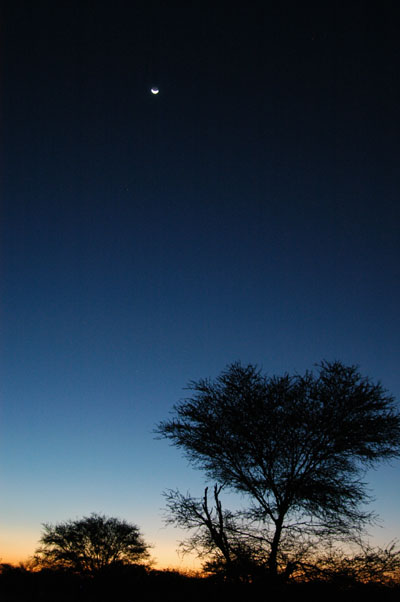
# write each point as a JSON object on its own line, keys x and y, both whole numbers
{"x": 128, "y": 584}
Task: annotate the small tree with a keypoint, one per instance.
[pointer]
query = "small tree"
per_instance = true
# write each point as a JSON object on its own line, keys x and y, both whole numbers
{"x": 90, "y": 544}
{"x": 296, "y": 446}
{"x": 230, "y": 546}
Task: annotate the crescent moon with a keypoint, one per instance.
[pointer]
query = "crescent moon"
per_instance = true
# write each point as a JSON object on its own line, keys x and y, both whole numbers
{"x": 154, "y": 90}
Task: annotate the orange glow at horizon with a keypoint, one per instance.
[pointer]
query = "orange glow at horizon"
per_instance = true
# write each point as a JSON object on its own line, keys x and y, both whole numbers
{"x": 18, "y": 546}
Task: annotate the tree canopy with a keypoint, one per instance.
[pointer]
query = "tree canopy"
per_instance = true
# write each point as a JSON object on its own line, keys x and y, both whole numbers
{"x": 296, "y": 446}
{"x": 90, "y": 544}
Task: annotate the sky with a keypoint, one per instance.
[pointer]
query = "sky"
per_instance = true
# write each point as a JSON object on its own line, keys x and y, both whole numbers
{"x": 248, "y": 212}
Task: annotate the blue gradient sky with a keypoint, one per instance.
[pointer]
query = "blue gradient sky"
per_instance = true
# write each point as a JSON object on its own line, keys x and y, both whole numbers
{"x": 248, "y": 212}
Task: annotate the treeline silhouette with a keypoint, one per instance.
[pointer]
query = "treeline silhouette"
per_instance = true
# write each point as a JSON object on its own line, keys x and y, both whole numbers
{"x": 127, "y": 583}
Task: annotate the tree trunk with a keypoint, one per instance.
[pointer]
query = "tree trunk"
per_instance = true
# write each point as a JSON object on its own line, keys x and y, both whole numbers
{"x": 273, "y": 556}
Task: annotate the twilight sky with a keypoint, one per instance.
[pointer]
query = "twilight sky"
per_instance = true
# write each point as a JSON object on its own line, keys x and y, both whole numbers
{"x": 248, "y": 212}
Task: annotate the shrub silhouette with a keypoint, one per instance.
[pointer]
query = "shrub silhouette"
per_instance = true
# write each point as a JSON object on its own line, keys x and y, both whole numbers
{"x": 91, "y": 544}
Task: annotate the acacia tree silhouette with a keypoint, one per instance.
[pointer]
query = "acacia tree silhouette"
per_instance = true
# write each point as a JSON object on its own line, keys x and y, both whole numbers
{"x": 296, "y": 446}
{"x": 91, "y": 544}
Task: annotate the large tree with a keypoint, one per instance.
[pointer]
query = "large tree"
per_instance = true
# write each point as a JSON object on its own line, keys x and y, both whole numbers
{"x": 296, "y": 446}
{"x": 90, "y": 544}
